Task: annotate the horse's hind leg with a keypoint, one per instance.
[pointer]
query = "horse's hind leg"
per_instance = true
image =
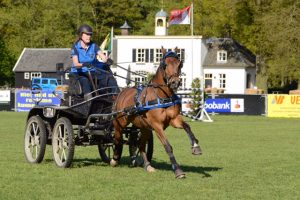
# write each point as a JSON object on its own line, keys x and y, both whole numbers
{"x": 179, "y": 123}
{"x": 145, "y": 136}
{"x": 163, "y": 139}
{"x": 118, "y": 142}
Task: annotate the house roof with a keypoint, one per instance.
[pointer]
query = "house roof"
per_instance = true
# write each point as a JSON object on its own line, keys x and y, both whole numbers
{"x": 42, "y": 59}
{"x": 237, "y": 55}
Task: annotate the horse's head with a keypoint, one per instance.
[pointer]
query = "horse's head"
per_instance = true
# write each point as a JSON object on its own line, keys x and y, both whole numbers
{"x": 172, "y": 69}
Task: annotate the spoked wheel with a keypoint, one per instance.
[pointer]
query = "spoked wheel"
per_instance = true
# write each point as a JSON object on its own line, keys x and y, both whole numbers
{"x": 36, "y": 93}
{"x": 35, "y": 140}
{"x": 135, "y": 154}
{"x": 63, "y": 142}
{"x": 106, "y": 149}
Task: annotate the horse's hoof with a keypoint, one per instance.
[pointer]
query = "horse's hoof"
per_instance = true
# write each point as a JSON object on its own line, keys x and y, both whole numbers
{"x": 179, "y": 174}
{"x": 196, "y": 150}
{"x": 150, "y": 169}
{"x": 113, "y": 163}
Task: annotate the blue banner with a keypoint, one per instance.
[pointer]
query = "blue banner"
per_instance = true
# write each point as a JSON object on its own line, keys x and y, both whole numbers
{"x": 217, "y": 105}
{"x": 25, "y": 99}
{"x": 232, "y": 105}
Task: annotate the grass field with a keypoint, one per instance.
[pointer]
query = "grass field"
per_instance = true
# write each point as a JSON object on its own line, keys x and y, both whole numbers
{"x": 244, "y": 158}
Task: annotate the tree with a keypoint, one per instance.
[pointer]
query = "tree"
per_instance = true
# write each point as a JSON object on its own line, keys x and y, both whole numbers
{"x": 6, "y": 63}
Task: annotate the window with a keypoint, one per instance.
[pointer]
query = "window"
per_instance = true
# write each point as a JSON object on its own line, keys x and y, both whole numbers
{"x": 248, "y": 81}
{"x": 222, "y": 79}
{"x": 35, "y": 75}
{"x": 183, "y": 80}
{"x": 181, "y": 54}
{"x": 66, "y": 76}
{"x": 36, "y": 81}
{"x": 208, "y": 80}
{"x": 160, "y": 22}
{"x": 222, "y": 56}
{"x": 53, "y": 82}
{"x": 45, "y": 81}
{"x": 26, "y": 75}
{"x": 157, "y": 55}
{"x": 140, "y": 55}
{"x": 139, "y": 79}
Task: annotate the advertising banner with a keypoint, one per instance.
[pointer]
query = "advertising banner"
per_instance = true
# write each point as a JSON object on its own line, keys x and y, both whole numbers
{"x": 25, "y": 99}
{"x": 232, "y": 105}
{"x": 4, "y": 96}
{"x": 280, "y": 105}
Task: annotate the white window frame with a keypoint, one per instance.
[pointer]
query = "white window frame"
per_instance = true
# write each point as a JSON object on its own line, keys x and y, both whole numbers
{"x": 35, "y": 75}
{"x": 222, "y": 56}
{"x": 222, "y": 81}
{"x": 208, "y": 76}
{"x": 26, "y": 75}
{"x": 138, "y": 78}
{"x": 157, "y": 55}
{"x": 140, "y": 55}
{"x": 180, "y": 54}
{"x": 183, "y": 81}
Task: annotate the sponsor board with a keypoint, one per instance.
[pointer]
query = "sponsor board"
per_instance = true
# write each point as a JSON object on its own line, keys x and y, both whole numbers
{"x": 4, "y": 96}
{"x": 280, "y": 105}
{"x": 224, "y": 105}
{"x": 24, "y": 99}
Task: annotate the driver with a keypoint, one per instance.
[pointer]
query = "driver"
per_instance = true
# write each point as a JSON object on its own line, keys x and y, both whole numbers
{"x": 84, "y": 54}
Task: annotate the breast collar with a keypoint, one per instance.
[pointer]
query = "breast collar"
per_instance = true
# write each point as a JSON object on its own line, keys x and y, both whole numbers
{"x": 156, "y": 103}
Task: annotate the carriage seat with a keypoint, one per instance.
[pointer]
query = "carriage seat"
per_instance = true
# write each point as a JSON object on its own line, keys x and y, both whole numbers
{"x": 74, "y": 88}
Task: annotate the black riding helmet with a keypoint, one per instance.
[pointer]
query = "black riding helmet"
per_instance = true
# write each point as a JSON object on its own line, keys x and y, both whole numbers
{"x": 84, "y": 29}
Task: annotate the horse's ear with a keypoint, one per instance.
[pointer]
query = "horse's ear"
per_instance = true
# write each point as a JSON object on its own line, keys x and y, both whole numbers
{"x": 163, "y": 50}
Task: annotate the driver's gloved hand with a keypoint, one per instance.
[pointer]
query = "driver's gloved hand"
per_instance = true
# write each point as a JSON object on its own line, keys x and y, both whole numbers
{"x": 87, "y": 65}
{"x": 109, "y": 61}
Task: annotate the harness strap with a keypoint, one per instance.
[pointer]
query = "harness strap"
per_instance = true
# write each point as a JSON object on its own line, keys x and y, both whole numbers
{"x": 156, "y": 103}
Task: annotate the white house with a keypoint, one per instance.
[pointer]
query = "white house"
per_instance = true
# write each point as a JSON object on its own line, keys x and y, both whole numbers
{"x": 220, "y": 63}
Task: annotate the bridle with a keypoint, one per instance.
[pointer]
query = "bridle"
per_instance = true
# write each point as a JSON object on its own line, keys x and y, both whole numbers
{"x": 164, "y": 66}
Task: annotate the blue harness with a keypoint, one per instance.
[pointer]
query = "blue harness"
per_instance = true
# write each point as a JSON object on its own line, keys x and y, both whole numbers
{"x": 154, "y": 104}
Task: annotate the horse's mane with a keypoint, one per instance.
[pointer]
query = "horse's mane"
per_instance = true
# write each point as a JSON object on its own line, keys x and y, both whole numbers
{"x": 160, "y": 68}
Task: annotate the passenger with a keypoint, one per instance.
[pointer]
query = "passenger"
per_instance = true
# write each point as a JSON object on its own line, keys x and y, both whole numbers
{"x": 84, "y": 54}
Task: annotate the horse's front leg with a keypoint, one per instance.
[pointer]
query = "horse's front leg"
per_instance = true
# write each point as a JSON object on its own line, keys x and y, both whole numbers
{"x": 179, "y": 123}
{"x": 163, "y": 139}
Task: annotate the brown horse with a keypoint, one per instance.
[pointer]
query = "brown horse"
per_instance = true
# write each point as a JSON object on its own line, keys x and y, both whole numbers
{"x": 162, "y": 88}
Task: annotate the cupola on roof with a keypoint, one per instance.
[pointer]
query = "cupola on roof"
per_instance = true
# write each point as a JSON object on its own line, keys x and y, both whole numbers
{"x": 161, "y": 13}
{"x": 125, "y": 26}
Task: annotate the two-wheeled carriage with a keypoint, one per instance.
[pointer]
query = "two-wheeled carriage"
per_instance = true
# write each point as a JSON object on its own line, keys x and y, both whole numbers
{"x": 80, "y": 120}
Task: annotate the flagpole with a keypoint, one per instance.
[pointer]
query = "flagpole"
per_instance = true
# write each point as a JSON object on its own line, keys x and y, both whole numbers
{"x": 192, "y": 18}
{"x": 111, "y": 41}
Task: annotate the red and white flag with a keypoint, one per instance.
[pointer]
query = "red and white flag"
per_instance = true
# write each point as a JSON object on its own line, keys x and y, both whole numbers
{"x": 182, "y": 16}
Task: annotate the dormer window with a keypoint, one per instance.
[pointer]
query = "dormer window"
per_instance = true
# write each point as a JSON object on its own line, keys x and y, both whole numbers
{"x": 222, "y": 56}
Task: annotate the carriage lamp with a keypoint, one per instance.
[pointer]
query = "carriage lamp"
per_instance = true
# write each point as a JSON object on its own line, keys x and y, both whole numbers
{"x": 49, "y": 112}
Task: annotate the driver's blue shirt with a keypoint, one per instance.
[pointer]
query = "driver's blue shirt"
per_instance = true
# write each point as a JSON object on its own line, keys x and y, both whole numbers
{"x": 88, "y": 55}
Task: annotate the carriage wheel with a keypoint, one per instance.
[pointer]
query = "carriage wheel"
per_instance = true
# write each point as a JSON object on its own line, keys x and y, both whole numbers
{"x": 35, "y": 140}
{"x": 106, "y": 149}
{"x": 63, "y": 143}
{"x": 134, "y": 152}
